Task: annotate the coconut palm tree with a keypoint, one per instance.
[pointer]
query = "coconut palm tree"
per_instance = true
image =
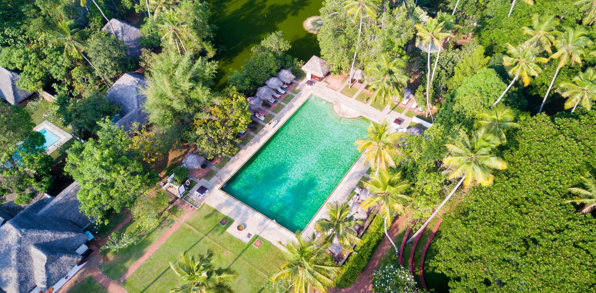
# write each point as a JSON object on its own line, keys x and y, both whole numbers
{"x": 447, "y": 27}
{"x": 360, "y": 9}
{"x": 389, "y": 197}
{"x": 309, "y": 268}
{"x": 379, "y": 147}
{"x": 530, "y": 2}
{"x": 542, "y": 32}
{"x": 84, "y": 4}
{"x": 455, "y": 8}
{"x": 496, "y": 121}
{"x": 585, "y": 196}
{"x": 199, "y": 275}
{"x": 388, "y": 78}
{"x": 588, "y": 7}
{"x": 570, "y": 46}
{"x": 472, "y": 162}
{"x": 522, "y": 62}
{"x": 175, "y": 31}
{"x": 580, "y": 91}
{"x": 431, "y": 36}
{"x": 339, "y": 226}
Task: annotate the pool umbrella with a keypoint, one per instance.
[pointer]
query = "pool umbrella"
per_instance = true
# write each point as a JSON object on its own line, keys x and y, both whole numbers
{"x": 286, "y": 75}
{"x": 274, "y": 83}
{"x": 358, "y": 75}
{"x": 264, "y": 93}
{"x": 193, "y": 161}
{"x": 254, "y": 103}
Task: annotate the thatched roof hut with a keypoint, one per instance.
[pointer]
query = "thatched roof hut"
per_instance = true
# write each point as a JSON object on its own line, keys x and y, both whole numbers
{"x": 39, "y": 244}
{"x": 264, "y": 93}
{"x": 274, "y": 83}
{"x": 254, "y": 103}
{"x": 127, "y": 33}
{"x": 126, "y": 93}
{"x": 316, "y": 68}
{"x": 286, "y": 75}
{"x": 357, "y": 75}
{"x": 8, "y": 87}
{"x": 193, "y": 161}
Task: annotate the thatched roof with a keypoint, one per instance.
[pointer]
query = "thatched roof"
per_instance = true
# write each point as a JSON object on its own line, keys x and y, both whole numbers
{"x": 8, "y": 87}
{"x": 286, "y": 75}
{"x": 126, "y": 93}
{"x": 316, "y": 66}
{"x": 38, "y": 245}
{"x": 127, "y": 33}
{"x": 357, "y": 75}
{"x": 254, "y": 103}
{"x": 264, "y": 93}
{"x": 193, "y": 161}
{"x": 274, "y": 82}
{"x": 415, "y": 131}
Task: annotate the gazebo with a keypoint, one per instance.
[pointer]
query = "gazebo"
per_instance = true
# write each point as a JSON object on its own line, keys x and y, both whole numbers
{"x": 286, "y": 76}
{"x": 265, "y": 93}
{"x": 316, "y": 68}
{"x": 276, "y": 84}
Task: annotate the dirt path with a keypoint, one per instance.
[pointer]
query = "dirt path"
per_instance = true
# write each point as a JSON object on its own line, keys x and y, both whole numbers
{"x": 364, "y": 282}
{"x": 157, "y": 244}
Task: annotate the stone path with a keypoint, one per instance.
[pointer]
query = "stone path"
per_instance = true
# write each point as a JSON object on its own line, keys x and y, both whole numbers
{"x": 157, "y": 244}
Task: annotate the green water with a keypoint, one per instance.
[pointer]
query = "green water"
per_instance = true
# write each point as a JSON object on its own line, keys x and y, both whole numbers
{"x": 292, "y": 175}
{"x": 242, "y": 24}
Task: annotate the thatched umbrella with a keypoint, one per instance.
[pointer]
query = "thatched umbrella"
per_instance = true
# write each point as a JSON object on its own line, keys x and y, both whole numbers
{"x": 286, "y": 75}
{"x": 254, "y": 103}
{"x": 265, "y": 93}
{"x": 274, "y": 83}
{"x": 193, "y": 161}
{"x": 358, "y": 75}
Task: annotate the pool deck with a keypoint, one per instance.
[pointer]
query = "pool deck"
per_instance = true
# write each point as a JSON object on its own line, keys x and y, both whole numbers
{"x": 255, "y": 222}
{"x": 62, "y": 135}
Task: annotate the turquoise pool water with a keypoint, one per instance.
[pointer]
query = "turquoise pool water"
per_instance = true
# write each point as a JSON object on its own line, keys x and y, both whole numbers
{"x": 50, "y": 137}
{"x": 292, "y": 175}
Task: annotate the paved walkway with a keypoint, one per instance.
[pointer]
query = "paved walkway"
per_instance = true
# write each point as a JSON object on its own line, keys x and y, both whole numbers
{"x": 157, "y": 244}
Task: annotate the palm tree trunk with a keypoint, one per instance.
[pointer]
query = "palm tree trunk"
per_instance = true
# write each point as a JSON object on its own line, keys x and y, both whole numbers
{"x": 511, "y": 10}
{"x": 108, "y": 81}
{"x": 455, "y": 8}
{"x": 149, "y": 11}
{"x": 506, "y": 90}
{"x": 549, "y": 88}
{"x": 355, "y": 52}
{"x": 432, "y": 78}
{"x": 104, "y": 16}
{"x": 573, "y": 110}
{"x": 181, "y": 42}
{"x": 437, "y": 210}
{"x": 389, "y": 237}
{"x": 428, "y": 84}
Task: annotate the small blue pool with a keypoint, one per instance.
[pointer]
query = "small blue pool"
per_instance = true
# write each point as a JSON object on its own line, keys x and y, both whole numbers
{"x": 50, "y": 137}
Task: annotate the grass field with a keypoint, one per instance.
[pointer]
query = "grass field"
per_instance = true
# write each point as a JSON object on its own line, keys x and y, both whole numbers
{"x": 364, "y": 98}
{"x": 349, "y": 91}
{"x": 277, "y": 108}
{"x": 246, "y": 139}
{"x": 200, "y": 233}
{"x": 88, "y": 285}
{"x": 378, "y": 104}
{"x": 222, "y": 162}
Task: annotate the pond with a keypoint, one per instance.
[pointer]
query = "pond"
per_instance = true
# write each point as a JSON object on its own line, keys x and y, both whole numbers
{"x": 242, "y": 24}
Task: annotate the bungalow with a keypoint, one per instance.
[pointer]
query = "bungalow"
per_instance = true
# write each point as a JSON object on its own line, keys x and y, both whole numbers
{"x": 126, "y": 33}
{"x": 316, "y": 68}
{"x": 44, "y": 245}
{"x": 126, "y": 93}
{"x": 8, "y": 87}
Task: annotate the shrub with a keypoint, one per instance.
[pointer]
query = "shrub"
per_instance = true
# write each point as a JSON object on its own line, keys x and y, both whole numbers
{"x": 393, "y": 278}
{"x": 118, "y": 241}
{"x": 180, "y": 175}
{"x": 357, "y": 261}
{"x": 24, "y": 198}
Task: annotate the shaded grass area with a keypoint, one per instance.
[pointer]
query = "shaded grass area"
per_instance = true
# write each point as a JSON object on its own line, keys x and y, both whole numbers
{"x": 277, "y": 108}
{"x": 200, "y": 233}
{"x": 398, "y": 108}
{"x": 89, "y": 285}
{"x": 295, "y": 91}
{"x": 349, "y": 91}
{"x": 268, "y": 118}
{"x": 247, "y": 138}
{"x": 41, "y": 110}
{"x": 223, "y": 162}
{"x": 210, "y": 174}
{"x": 114, "y": 221}
{"x": 256, "y": 127}
{"x": 364, "y": 98}
{"x": 410, "y": 114}
{"x": 378, "y": 104}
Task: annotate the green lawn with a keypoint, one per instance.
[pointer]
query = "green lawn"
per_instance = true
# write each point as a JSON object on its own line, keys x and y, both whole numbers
{"x": 41, "y": 110}
{"x": 222, "y": 162}
{"x": 349, "y": 91}
{"x": 246, "y": 139}
{"x": 398, "y": 108}
{"x": 379, "y": 105}
{"x": 364, "y": 98}
{"x": 89, "y": 285}
{"x": 410, "y": 114}
{"x": 119, "y": 263}
{"x": 295, "y": 91}
{"x": 209, "y": 174}
{"x": 202, "y": 232}
{"x": 277, "y": 108}
{"x": 259, "y": 126}
{"x": 268, "y": 118}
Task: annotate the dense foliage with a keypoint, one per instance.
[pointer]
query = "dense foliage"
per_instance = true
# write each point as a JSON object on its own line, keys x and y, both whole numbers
{"x": 393, "y": 278}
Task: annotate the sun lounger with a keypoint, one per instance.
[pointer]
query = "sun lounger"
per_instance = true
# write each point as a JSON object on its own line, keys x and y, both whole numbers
{"x": 260, "y": 116}
{"x": 414, "y": 105}
{"x": 280, "y": 90}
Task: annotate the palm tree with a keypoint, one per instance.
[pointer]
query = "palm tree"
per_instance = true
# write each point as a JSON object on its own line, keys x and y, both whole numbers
{"x": 455, "y": 8}
{"x": 339, "y": 227}
{"x": 308, "y": 267}
{"x": 588, "y": 7}
{"x": 542, "y": 32}
{"x": 199, "y": 275}
{"x": 570, "y": 47}
{"x": 471, "y": 161}
{"x": 445, "y": 36}
{"x": 522, "y": 60}
{"x": 388, "y": 190}
{"x": 530, "y": 2}
{"x": 496, "y": 121}
{"x": 581, "y": 90}
{"x": 175, "y": 31}
{"x": 360, "y": 9}
{"x": 379, "y": 147}
{"x": 431, "y": 35}
{"x": 586, "y": 196}
{"x": 388, "y": 78}
{"x": 84, "y": 4}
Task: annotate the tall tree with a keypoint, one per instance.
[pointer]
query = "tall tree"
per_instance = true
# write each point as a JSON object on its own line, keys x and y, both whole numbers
{"x": 309, "y": 268}
{"x": 588, "y": 7}
{"x": 530, "y": 2}
{"x": 360, "y": 9}
{"x": 200, "y": 275}
{"x": 496, "y": 121}
{"x": 185, "y": 27}
{"x": 580, "y": 91}
{"x": 587, "y": 195}
{"x": 570, "y": 47}
{"x": 522, "y": 62}
{"x": 471, "y": 161}
{"x": 542, "y": 32}
{"x": 16, "y": 125}
{"x": 108, "y": 172}
{"x": 388, "y": 78}
{"x": 84, "y": 4}
{"x": 388, "y": 195}
{"x": 379, "y": 146}
{"x": 339, "y": 226}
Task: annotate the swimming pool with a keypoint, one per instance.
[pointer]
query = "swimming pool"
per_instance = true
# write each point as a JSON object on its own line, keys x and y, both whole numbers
{"x": 293, "y": 174}
{"x": 50, "y": 137}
